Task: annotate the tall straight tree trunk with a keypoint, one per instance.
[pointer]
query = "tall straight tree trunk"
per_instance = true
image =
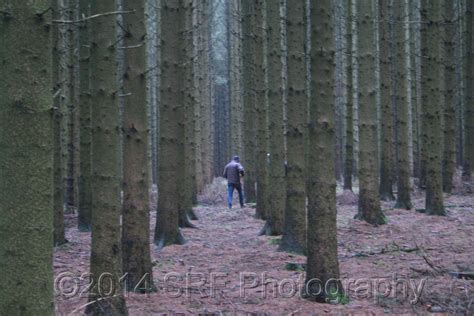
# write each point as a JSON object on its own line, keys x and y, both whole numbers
{"x": 135, "y": 208}
{"x": 322, "y": 263}
{"x": 85, "y": 173}
{"x": 369, "y": 204}
{"x": 415, "y": 87}
{"x": 261, "y": 104}
{"x": 386, "y": 162}
{"x": 235, "y": 76}
{"x": 277, "y": 186}
{"x": 198, "y": 95}
{"x": 294, "y": 237}
{"x": 468, "y": 159}
{"x": 26, "y": 159}
{"x": 349, "y": 157}
{"x": 106, "y": 250}
{"x": 248, "y": 27}
{"x": 449, "y": 154}
{"x": 431, "y": 48}
{"x": 188, "y": 176}
{"x": 403, "y": 88}
{"x": 172, "y": 98}
{"x": 58, "y": 198}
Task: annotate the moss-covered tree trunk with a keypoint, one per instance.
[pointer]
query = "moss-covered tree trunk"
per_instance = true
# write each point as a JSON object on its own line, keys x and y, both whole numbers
{"x": 403, "y": 88}
{"x": 135, "y": 208}
{"x": 322, "y": 262}
{"x": 85, "y": 167}
{"x": 369, "y": 204}
{"x": 468, "y": 159}
{"x": 449, "y": 153}
{"x": 173, "y": 78}
{"x": 261, "y": 104}
{"x": 349, "y": 156}
{"x": 431, "y": 71}
{"x": 294, "y": 237}
{"x": 248, "y": 58}
{"x": 276, "y": 169}
{"x": 106, "y": 250}
{"x": 26, "y": 158}
{"x": 386, "y": 145}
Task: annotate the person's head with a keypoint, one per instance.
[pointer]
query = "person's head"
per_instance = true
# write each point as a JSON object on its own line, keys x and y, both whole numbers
{"x": 236, "y": 159}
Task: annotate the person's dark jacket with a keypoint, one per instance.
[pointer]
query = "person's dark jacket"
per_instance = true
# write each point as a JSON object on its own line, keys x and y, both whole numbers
{"x": 233, "y": 171}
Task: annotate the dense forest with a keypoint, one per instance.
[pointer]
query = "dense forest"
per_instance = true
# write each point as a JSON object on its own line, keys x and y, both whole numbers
{"x": 350, "y": 124}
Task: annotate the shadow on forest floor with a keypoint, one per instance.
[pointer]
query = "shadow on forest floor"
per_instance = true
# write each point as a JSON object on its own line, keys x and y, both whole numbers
{"x": 413, "y": 249}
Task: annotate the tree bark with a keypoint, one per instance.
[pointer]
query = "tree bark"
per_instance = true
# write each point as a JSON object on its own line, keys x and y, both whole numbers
{"x": 294, "y": 237}
{"x": 432, "y": 69}
{"x": 261, "y": 105}
{"x": 106, "y": 250}
{"x": 59, "y": 227}
{"x": 277, "y": 185}
{"x": 26, "y": 158}
{"x": 369, "y": 203}
{"x": 449, "y": 154}
{"x": 386, "y": 60}
{"x": 172, "y": 98}
{"x": 249, "y": 159}
{"x": 85, "y": 173}
{"x": 349, "y": 157}
{"x": 135, "y": 209}
{"x": 403, "y": 88}
{"x": 468, "y": 159}
{"x": 322, "y": 263}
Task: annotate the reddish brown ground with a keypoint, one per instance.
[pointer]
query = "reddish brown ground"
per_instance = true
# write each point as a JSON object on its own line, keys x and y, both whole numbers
{"x": 226, "y": 242}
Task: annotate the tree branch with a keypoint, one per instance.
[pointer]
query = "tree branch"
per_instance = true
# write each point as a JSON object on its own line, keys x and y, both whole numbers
{"x": 93, "y": 17}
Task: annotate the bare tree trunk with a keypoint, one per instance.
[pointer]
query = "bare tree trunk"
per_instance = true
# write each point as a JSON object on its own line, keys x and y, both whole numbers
{"x": 402, "y": 72}
{"x": 294, "y": 237}
{"x": 386, "y": 60}
{"x": 171, "y": 130}
{"x": 26, "y": 158}
{"x": 369, "y": 203}
{"x": 322, "y": 263}
{"x": 106, "y": 250}
{"x": 432, "y": 70}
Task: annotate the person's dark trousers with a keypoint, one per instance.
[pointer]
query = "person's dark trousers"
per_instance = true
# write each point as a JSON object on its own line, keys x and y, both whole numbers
{"x": 230, "y": 193}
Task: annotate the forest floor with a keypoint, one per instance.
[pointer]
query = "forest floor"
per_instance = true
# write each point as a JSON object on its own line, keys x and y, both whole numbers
{"x": 225, "y": 268}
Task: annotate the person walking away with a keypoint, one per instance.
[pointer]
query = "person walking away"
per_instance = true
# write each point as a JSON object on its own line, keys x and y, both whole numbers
{"x": 233, "y": 172}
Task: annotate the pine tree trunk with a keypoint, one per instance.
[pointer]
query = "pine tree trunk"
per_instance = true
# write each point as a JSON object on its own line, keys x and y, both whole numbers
{"x": 276, "y": 177}
{"x": 235, "y": 77}
{"x": 26, "y": 158}
{"x": 249, "y": 159}
{"x": 322, "y": 263}
{"x": 403, "y": 88}
{"x": 369, "y": 204}
{"x": 135, "y": 208}
{"x": 85, "y": 193}
{"x": 172, "y": 98}
{"x": 386, "y": 59}
{"x": 468, "y": 159}
{"x": 432, "y": 69}
{"x": 261, "y": 104}
{"x": 188, "y": 176}
{"x": 349, "y": 157}
{"x": 449, "y": 155}
{"x": 294, "y": 237}
{"x": 198, "y": 95}
{"x": 59, "y": 227}
{"x": 106, "y": 250}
